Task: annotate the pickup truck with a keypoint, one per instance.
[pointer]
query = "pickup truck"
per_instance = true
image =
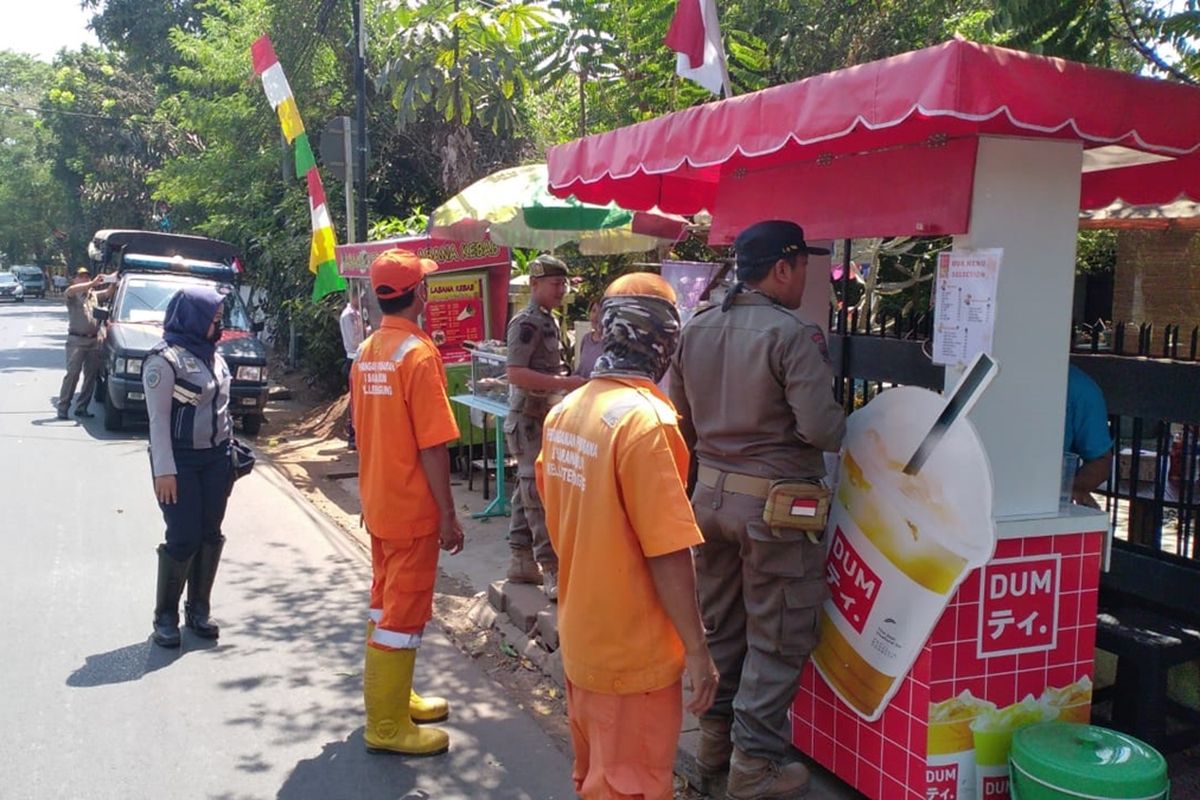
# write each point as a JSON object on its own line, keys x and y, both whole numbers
{"x": 151, "y": 268}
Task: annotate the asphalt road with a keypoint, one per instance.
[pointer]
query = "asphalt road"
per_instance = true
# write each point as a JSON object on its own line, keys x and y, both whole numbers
{"x": 89, "y": 708}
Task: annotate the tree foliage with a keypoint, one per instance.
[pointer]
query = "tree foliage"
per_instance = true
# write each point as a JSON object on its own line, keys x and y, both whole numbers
{"x": 164, "y": 125}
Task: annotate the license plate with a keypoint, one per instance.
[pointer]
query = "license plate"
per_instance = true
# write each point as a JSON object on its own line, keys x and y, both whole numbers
{"x": 136, "y": 396}
{"x": 249, "y": 401}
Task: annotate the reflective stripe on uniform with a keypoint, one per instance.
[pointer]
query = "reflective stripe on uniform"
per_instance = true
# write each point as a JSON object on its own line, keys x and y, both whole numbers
{"x": 396, "y": 640}
{"x": 405, "y": 347}
{"x": 375, "y": 614}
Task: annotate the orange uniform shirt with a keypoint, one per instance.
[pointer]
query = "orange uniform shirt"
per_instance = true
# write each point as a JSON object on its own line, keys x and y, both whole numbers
{"x": 611, "y": 475}
{"x": 400, "y": 408}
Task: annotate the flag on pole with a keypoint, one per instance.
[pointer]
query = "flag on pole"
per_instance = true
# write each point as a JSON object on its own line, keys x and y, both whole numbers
{"x": 321, "y": 260}
{"x": 696, "y": 36}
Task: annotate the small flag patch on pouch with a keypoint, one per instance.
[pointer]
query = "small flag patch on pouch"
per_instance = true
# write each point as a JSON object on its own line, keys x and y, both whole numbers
{"x": 802, "y": 507}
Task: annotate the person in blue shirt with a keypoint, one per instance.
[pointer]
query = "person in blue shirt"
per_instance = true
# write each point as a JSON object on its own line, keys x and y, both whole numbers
{"x": 1086, "y": 435}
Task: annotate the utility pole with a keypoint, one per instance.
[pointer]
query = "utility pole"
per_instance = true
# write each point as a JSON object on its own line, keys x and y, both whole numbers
{"x": 360, "y": 117}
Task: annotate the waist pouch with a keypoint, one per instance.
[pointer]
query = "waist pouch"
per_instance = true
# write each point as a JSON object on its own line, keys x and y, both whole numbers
{"x": 798, "y": 505}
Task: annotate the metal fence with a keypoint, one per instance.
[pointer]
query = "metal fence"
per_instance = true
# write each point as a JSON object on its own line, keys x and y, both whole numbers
{"x": 1151, "y": 380}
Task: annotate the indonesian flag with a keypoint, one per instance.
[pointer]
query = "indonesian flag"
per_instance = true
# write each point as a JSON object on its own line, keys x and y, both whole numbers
{"x": 695, "y": 35}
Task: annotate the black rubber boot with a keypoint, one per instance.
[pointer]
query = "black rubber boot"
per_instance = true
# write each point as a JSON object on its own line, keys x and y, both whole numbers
{"x": 172, "y": 575}
{"x": 200, "y": 583}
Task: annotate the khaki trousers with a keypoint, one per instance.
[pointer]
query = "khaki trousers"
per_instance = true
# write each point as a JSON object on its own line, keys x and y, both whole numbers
{"x": 527, "y": 526}
{"x": 760, "y": 589}
{"x": 83, "y": 355}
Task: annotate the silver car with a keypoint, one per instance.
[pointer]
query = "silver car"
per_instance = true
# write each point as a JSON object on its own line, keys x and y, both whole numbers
{"x": 11, "y": 288}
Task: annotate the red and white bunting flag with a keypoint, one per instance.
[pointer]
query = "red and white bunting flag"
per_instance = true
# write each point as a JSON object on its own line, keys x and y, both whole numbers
{"x": 695, "y": 35}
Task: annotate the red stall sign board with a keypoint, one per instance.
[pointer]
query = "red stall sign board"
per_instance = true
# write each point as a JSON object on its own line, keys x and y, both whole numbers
{"x": 454, "y": 314}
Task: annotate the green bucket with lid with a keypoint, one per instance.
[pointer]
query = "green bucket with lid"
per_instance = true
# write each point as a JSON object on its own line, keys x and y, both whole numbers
{"x": 1069, "y": 761}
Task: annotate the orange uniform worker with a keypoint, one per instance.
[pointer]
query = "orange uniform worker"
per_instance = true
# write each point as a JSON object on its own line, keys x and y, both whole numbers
{"x": 611, "y": 475}
{"x": 403, "y": 418}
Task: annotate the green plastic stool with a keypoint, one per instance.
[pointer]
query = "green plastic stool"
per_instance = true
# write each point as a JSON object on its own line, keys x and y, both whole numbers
{"x": 1068, "y": 761}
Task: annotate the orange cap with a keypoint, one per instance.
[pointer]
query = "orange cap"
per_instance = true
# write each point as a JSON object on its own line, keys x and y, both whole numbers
{"x": 641, "y": 283}
{"x": 396, "y": 272}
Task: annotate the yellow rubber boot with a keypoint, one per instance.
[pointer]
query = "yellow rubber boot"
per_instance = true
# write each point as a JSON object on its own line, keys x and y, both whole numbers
{"x": 387, "y": 688}
{"x": 423, "y": 710}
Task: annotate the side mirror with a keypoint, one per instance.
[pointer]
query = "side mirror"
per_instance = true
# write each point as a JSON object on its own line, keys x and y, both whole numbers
{"x": 258, "y": 327}
{"x": 101, "y": 314}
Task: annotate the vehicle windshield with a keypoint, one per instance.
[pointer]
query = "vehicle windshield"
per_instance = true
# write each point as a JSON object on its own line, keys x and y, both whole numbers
{"x": 146, "y": 301}
{"x": 7, "y": 277}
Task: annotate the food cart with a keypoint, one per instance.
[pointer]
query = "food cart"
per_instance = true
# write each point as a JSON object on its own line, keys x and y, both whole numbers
{"x": 1000, "y": 150}
{"x": 468, "y": 301}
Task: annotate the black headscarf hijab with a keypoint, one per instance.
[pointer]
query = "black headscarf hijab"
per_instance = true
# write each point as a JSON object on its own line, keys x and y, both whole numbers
{"x": 189, "y": 315}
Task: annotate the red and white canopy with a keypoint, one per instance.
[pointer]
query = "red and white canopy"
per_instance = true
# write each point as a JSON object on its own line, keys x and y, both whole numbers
{"x": 899, "y": 134}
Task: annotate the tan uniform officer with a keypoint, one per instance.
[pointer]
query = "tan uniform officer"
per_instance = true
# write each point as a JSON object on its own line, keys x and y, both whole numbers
{"x": 754, "y": 389}
{"x": 536, "y": 382}
{"x": 83, "y": 341}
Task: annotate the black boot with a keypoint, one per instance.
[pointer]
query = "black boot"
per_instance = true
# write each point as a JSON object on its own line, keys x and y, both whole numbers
{"x": 200, "y": 583}
{"x": 172, "y": 575}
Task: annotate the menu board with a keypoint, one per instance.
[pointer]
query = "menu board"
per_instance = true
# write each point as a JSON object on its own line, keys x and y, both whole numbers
{"x": 455, "y": 314}
{"x": 965, "y": 304}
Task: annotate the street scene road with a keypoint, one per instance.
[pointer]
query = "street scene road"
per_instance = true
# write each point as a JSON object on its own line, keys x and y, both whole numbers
{"x": 92, "y": 709}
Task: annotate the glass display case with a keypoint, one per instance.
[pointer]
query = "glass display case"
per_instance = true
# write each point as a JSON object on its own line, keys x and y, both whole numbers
{"x": 488, "y": 375}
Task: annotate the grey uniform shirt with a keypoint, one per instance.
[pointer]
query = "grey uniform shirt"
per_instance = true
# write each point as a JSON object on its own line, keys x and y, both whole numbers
{"x": 188, "y": 404}
{"x": 754, "y": 390}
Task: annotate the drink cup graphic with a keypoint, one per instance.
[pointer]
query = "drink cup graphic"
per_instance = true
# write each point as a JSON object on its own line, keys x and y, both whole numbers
{"x": 951, "y": 744}
{"x": 1071, "y": 703}
{"x": 899, "y": 543}
{"x": 993, "y": 734}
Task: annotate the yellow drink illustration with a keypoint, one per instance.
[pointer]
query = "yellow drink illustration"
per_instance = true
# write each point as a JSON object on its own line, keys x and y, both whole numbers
{"x": 993, "y": 734}
{"x": 951, "y": 749}
{"x": 899, "y": 544}
{"x": 950, "y": 723}
{"x": 1072, "y": 703}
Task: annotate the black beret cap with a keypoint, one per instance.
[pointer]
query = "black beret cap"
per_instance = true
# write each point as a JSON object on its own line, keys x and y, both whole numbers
{"x": 763, "y": 243}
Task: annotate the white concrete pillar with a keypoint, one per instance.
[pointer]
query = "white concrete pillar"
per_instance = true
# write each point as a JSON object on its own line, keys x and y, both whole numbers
{"x": 1026, "y": 200}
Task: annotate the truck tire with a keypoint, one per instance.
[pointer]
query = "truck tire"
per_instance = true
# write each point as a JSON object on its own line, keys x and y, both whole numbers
{"x": 251, "y": 425}
{"x": 114, "y": 420}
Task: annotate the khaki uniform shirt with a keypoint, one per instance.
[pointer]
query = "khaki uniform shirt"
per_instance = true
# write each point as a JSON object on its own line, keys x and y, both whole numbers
{"x": 754, "y": 389}
{"x": 79, "y": 315}
{"x": 533, "y": 343}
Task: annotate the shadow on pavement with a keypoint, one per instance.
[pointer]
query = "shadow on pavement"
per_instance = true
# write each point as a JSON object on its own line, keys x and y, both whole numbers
{"x": 346, "y": 769}
{"x": 132, "y": 662}
{"x": 32, "y": 359}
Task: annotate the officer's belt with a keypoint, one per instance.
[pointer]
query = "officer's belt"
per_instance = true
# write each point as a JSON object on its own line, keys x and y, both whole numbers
{"x": 82, "y": 335}
{"x": 741, "y": 484}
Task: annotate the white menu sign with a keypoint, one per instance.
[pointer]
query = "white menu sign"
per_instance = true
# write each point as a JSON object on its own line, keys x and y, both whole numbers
{"x": 965, "y": 304}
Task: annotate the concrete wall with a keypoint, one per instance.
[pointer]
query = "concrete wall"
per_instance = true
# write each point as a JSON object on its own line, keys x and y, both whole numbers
{"x": 1157, "y": 278}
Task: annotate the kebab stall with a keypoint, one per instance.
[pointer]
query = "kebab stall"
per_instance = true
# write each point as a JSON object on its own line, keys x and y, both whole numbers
{"x": 468, "y": 299}
{"x": 1000, "y": 150}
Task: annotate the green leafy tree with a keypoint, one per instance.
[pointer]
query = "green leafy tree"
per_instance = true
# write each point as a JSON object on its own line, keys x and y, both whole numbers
{"x": 1122, "y": 34}
{"x": 462, "y": 60}
{"x": 34, "y": 202}
{"x": 106, "y": 142}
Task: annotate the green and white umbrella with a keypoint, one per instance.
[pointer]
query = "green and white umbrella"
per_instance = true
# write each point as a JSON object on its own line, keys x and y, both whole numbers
{"x": 514, "y": 208}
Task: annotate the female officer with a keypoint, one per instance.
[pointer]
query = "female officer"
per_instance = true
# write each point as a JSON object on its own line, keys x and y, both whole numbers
{"x": 187, "y": 397}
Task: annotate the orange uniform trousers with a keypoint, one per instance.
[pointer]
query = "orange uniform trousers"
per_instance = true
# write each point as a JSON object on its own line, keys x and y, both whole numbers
{"x": 625, "y": 743}
{"x": 403, "y": 573}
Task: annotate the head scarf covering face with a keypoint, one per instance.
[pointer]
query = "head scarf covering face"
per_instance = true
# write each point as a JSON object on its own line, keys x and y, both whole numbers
{"x": 640, "y": 334}
{"x": 189, "y": 315}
